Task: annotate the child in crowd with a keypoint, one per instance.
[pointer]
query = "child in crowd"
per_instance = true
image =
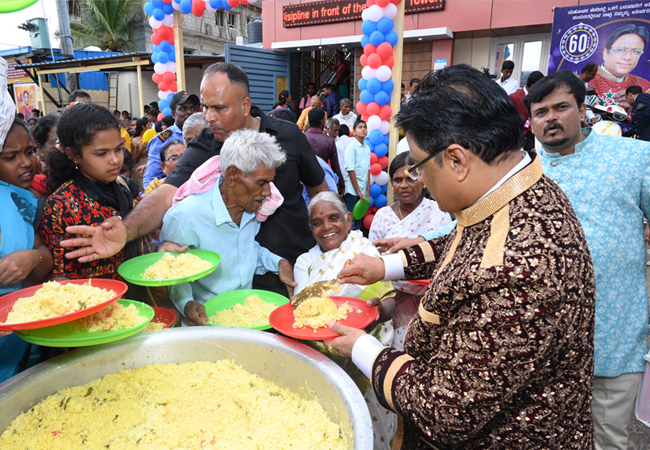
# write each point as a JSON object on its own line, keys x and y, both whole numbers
{"x": 357, "y": 169}
{"x": 24, "y": 260}
{"x": 87, "y": 188}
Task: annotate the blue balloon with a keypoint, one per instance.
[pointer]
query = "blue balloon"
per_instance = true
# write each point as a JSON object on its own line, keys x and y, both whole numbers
{"x": 172, "y": 56}
{"x": 384, "y": 188}
{"x": 388, "y": 86}
{"x": 162, "y": 104}
{"x": 381, "y": 149}
{"x": 165, "y": 46}
{"x": 177, "y": 1}
{"x": 386, "y": 139}
{"x": 156, "y": 48}
{"x": 163, "y": 58}
{"x": 167, "y": 111}
{"x": 363, "y": 84}
{"x": 216, "y": 4}
{"x": 391, "y": 38}
{"x": 382, "y": 98}
{"x": 374, "y": 86}
{"x": 154, "y": 57}
{"x": 380, "y": 201}
{"x": 376, "y": 38}
{"x": 375, "y": 190}
{"x": 376, "y": 138}
{"x": 186, "y": 6}
{"x": 226, "y": 6}
{"x": 368, "y": 27}
{"x": 157, "y": 3}
{"x": 369, "y": 144}
{"x": 169, "y": 97}
{"x": 365, "y": 40}
{"x": 168, "y": 8}
{"x": 158, "y": 14}
{"x": 148, "y": 8}
{"x": 372, "y": 202}
{"x": 385, "y": 25}
{"x": 366, "y": 97}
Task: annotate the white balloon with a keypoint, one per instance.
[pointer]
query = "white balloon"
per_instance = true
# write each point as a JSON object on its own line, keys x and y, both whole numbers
{"x": 382, "y": 178}
{"x": 368, "y": 73}
{"x": 374, "y": 123}
{"x": 252, "y": 1}
{"x": 168, "y": 21}
{"x": 384, "y": 127}
{"x": 159, "y": 68}
{"x": 176, "y": 6}
{"x": 170, "y": 66}
{"x": 384, "y": 73}
{"x": 364, "y": 14}
{"x": 154, "y": 23}
{"x": 208, "y": 7}
{"x": 162, "y": 95}
{"x": 390, "y": 11}
{"x": 372, "y": 179}
{"x": 374, "y": 13}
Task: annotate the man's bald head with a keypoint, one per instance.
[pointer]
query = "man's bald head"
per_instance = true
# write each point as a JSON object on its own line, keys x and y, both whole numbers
{"x": 315, "y": 101}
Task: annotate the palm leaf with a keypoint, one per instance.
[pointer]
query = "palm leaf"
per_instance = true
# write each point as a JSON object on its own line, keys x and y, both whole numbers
{"x": 108, "y": 22}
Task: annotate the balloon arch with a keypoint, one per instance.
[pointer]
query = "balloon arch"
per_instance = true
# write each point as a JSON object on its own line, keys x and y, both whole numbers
{"x": 376, "y": 84}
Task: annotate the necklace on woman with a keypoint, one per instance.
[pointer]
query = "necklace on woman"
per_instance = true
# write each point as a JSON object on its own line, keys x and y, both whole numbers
{"x": 399, "y": 209}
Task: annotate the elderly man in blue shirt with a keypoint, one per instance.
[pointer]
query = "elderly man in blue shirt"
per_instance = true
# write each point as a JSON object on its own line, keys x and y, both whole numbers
{"x": 183, "y": 105}
{"x": 607, "y": 180}
{"x": 222, "y": 219}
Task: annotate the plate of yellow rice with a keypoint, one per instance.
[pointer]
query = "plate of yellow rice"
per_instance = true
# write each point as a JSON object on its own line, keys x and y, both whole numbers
{"x": 246, "y": 308}
{"x": 168, "y": 268}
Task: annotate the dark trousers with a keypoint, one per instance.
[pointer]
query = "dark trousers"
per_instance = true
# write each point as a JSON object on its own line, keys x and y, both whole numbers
{"x": 270, "y": 282}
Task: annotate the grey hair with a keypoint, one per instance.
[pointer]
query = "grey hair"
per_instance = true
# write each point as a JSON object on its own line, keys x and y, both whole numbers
{"x": 327, "y": 196}
{"x": 331, "y": 122}
{"x": 246, "y": 149}
{"x": 192, "y": 122}
{"x": 345, "y": 101}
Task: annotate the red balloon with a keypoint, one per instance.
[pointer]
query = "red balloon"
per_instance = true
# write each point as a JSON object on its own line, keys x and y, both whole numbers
{"x": 160, "y": 116}
{"x": 167, "y": 1}
{"x": 163, "y": 86}
{"x": 367, "y": 220}
{"x": 156, "y": 39}
{"x": 374, "y": 61}
{"x": 233, "y": 3}
{"x": 375, "y": 169}
{"x": 372, "y": 109}
{"x": 396, "y": 2}
{"x": 382, "y": 3}
{"x": 198, "y": 8}
{"x": 168, "y": 77}
{"x": 384, "y": 50}
{"x": 369, "y": 49}
{"x": 369, "y": 3}
{"x": 166, "y": 32}
{"x": 157, "y": 78}
{"x": 389, "y": 62}
{"x": 373, "y": 158}
{"x": 373, "y": 209}
{"x": 173, "y": 86}
{"x": 361, "y": 108}
{"x": 364, "y": 118}
{"x": 385, "y": 112}
{"x": 243, "y": 2}
{"x": 383, "y": 161}
{"x": 364, "y": 60}
{"x": 170, "y": 39}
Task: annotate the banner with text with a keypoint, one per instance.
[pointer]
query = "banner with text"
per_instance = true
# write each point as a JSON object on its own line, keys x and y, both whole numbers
{"x": 614, "y": 36}
{"x": 341, "y": 10}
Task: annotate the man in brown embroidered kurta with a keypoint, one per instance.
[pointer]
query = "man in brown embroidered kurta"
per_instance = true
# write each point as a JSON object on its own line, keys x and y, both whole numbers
{"x": 501, "y": 353}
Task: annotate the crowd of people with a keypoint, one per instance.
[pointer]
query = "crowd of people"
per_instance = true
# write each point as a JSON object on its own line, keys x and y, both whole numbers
{"x": 532, "y": 329}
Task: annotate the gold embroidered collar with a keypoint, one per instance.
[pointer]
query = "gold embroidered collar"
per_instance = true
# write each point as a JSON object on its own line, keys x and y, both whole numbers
{"x": 513, "y": 187}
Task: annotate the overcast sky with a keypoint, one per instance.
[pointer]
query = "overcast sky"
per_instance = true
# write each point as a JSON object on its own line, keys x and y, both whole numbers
{"x": 11, "y": 36}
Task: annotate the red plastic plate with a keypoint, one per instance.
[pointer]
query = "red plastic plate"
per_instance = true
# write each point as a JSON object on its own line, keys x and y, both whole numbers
{"x": 7, "y": 303}
{"x": 164, "y": 315}
{"x": 282, "y": 320}
{"x": 420, "y": 282}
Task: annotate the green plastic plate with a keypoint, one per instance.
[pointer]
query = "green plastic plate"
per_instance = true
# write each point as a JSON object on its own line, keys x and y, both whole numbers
{"x": 360, "y": 209}
{"x": 133, "y": 269}
{"x": 65, "y": 336}
{"x": 230, "y": 299}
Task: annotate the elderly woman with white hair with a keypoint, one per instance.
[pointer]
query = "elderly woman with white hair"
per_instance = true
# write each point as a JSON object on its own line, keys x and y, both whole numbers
{"x": 193, "y": 126}
{"x": 330, "y": 222}
{"x": 248, "y": 161}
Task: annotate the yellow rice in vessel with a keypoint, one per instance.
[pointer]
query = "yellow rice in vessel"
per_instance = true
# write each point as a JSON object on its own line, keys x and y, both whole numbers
{"x": 56, "y": 299}
{"x": 199, "y": 405}
{"x": 252, "y": 313}
{"x": 114, "y": 318}
{"x": 154, "y": 326}
{"x": 317, "y": 311}
{"x": 179, "y": 266}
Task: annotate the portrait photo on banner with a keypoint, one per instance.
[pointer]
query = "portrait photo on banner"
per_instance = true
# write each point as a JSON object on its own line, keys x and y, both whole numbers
{"x": 26, "y": 97}
{"x": 614, "y": 36}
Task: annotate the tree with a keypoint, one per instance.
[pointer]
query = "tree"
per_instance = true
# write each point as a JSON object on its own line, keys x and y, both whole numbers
{"x": 108, "y": 24}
